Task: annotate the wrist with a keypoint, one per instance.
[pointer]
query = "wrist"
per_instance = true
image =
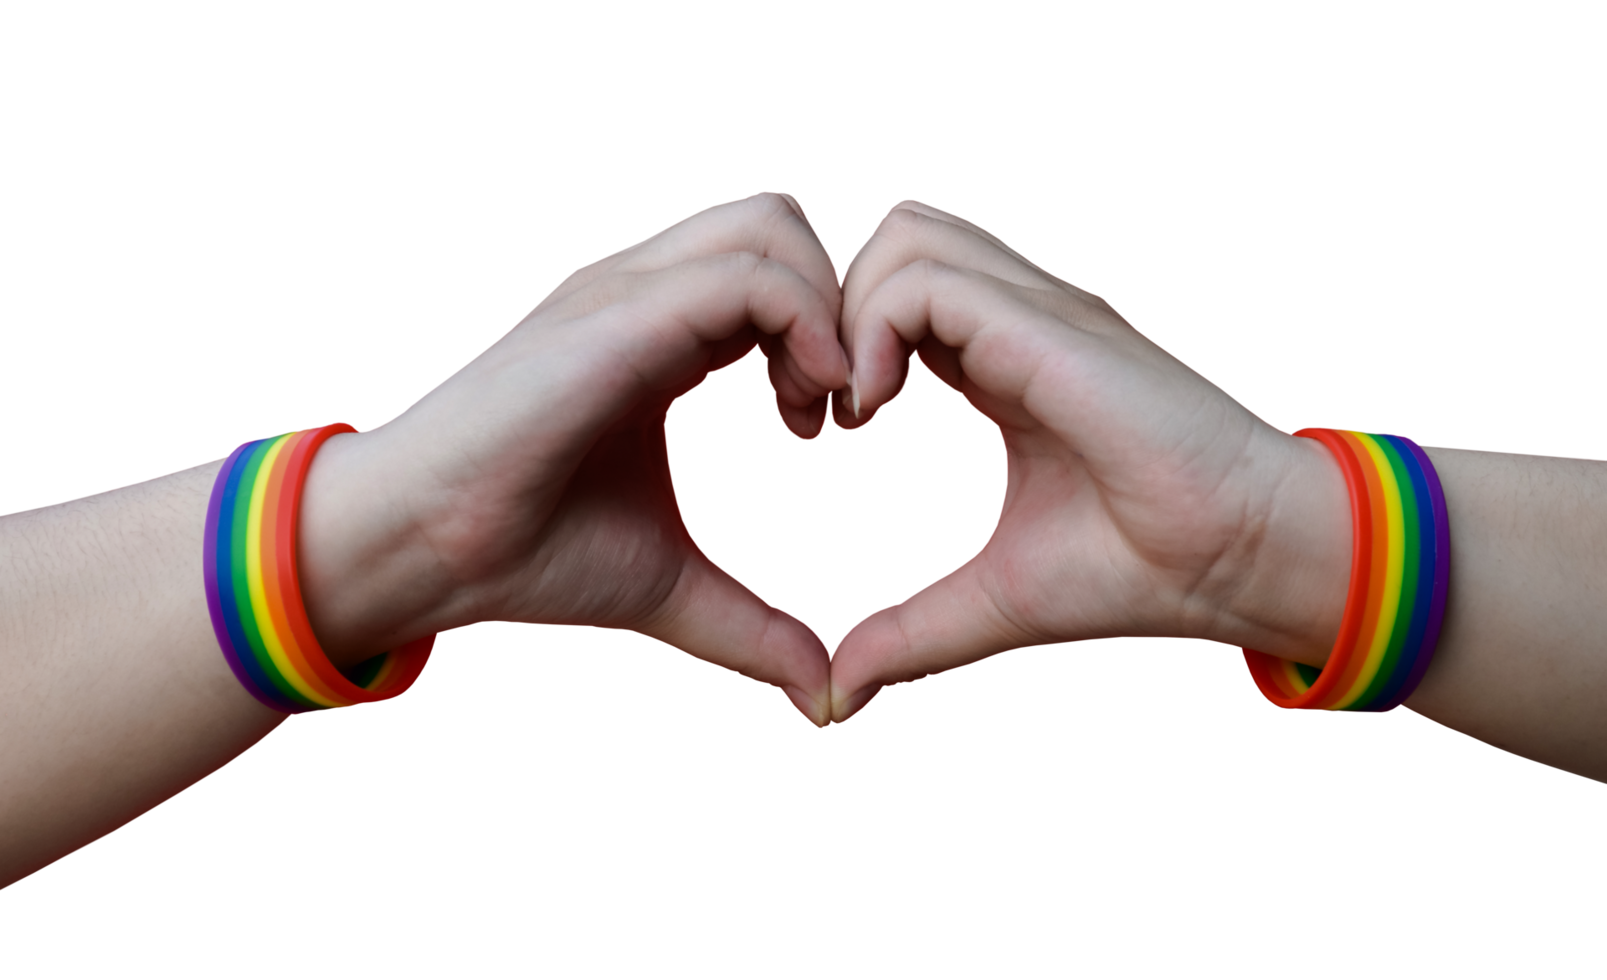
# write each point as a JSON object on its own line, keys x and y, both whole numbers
{"x": 1287, "y": 595}
{"x": 369, "y": 579}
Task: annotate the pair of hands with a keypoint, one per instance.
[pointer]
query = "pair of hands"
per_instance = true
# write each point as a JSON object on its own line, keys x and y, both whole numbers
{"x": 534, "y": 485}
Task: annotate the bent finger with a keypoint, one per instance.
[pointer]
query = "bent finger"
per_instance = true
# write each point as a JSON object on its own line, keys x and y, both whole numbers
{"x": 801, "y": 403}
{"x": 999, "y": 243}
{"x": 958, "y": 308}
{"x": 771, "y": 226}
{"x": 910, "y": 233}
{"x": 676, "y": 315}
{"x": 768, "y": 225}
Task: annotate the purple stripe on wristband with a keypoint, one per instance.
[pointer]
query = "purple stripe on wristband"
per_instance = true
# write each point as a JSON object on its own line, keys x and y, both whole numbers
{"x": 1442, "y": 572}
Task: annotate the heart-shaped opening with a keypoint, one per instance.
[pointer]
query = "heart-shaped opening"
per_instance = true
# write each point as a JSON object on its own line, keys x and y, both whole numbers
{"x": 884, "y": 510}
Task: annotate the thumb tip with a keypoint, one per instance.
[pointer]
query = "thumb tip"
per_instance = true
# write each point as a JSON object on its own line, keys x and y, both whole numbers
{"x": 816, "y": 709}
{"x": 844, "y": 705}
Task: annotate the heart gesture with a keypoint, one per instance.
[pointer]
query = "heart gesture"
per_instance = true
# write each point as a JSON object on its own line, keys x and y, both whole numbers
{"x": 534, "y": 486}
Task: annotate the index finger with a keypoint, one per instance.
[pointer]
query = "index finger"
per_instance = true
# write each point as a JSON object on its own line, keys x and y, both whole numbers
{"x": 913, "y": 232}
{"x": 771, "y": 226}
{"x": 995, "y": 241}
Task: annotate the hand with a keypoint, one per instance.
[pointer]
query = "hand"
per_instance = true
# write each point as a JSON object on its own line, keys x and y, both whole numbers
{"x": 1141, "y": 499}
{"x": 534, "y": 486}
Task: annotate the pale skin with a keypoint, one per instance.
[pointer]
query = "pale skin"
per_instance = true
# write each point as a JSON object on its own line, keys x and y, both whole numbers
{"x": 533, "y": 486}
{"x": 1144, "y": 501}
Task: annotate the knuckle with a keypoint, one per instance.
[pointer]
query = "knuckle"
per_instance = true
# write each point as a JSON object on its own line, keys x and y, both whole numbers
{"x": 742, "y": 264}
{"x": 902, "y": 223}
{"x": 772, "y": 205}
{"x": 748, "y": 262}
{"x": 933, "y": 269}
{"x": 769, "y": 199}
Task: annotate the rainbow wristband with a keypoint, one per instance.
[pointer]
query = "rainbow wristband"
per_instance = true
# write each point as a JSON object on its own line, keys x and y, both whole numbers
{"x": 254, "y": 594}
{"x": 1399, "y": 567}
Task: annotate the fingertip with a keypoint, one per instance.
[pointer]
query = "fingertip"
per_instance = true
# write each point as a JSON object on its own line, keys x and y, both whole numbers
{"x": 842, "y": 411}
{"x": 805, "y": 422}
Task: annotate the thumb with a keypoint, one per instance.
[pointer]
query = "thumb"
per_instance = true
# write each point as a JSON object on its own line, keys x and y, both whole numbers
{"x": 950, "y": 623}
{"x": 714, "y": 617}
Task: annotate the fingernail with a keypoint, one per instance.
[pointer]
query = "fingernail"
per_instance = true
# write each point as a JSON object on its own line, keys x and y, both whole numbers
{"x": 853, "y": 388}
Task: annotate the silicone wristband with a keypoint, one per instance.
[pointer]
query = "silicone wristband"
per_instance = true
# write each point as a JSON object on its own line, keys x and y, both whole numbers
{"x": 254, "y": 593}
{"x": 1399, "y": 572}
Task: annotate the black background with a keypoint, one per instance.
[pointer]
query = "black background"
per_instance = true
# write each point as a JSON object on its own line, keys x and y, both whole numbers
{"x": 368, "y": 262}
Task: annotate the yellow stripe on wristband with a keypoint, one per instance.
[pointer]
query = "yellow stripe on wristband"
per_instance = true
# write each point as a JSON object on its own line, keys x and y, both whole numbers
{"x": 257, "y": 590}
{"x": 1394, "y": 567}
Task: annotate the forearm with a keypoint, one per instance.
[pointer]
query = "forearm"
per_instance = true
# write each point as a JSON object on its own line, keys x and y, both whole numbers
{"x": 113, "y": 694}
{"x": 1522, "y": 660}
{"x": 1522, "y": 656}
